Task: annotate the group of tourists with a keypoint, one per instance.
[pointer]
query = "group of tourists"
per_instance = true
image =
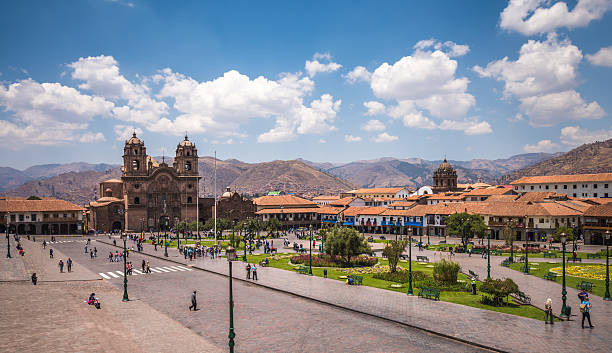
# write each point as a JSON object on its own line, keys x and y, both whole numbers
{"x": 585, "y": 309}
{"x": 68, "y": 264}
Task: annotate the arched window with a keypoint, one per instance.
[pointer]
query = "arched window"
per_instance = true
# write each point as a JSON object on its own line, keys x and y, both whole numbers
{"x": 187, "y": 165}
{"x": 188, "y": 154}
{"x": 135, "y": 151}
{"x": 189, "y": 199}
{"x": 136, "y": 164}
{"x": 136, "y": 200}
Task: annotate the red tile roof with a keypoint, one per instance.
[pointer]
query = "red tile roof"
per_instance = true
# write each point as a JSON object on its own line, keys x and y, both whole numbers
{"x": 44, "y": 205}
{"x": 282, "y": 200}
{"x": 604, "y": 210}
{"x": 343, "y": 201}
{"x": 289, "y": 210}
{"x": 575, "y": 178}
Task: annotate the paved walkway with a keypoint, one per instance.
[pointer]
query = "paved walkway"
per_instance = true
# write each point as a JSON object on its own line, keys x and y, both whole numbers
{"x": 491, "y": 329}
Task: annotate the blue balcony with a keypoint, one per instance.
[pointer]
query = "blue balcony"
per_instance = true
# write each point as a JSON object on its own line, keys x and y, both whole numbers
{"x": 348, "y": 223}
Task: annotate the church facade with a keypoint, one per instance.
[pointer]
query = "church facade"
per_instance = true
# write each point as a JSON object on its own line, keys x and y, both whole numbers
{"x": 444, "y": 178}
{"x": 150, "y": 195}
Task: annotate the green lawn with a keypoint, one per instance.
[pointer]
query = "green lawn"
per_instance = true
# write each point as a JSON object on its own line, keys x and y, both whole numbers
{"x": 517, "y": 253}
{"x": 542, "y": 268}
{"x": 463, "y": 298}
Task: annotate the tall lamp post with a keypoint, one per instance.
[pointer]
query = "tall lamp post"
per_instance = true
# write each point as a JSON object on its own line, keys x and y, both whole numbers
{"x": 563, "y": 291}
{"x": 489, "y": 255}
{"x": 410, "y": 261}
{"x": 8, "y": 238}
{"x": 125, "y": 293}
{"x": 165, "y": 243}
{"x": 231, "y": 256}
{"x": 310, "y": 256}
{"x": 607, "y": 295}
{"x": 526, "y": 268}
{"x": 178, "y": 239}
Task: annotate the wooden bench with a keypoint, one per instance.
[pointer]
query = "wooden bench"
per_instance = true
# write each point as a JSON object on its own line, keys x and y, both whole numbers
{"x": 477, "y": 250}
{"x": 550, "y": 255}
{"x": 442, "y": 242}
{"x": 586, "y": 285}
{"x": 473, "y": 274}
{"x": 303, "y": 270}
{"x": 574, "y": 260}
{"x": 422, "y": 258}
{"x": 554, "y": 248}
{"x": 593, "y": 256}
{"x": 403, "y": 257}
{"x": 429, "y": 293}
{"x": 506, "y": 263}
{"x": 522, "y": 298}
{"x": 496, "y": 252}
{"x": 357, "y": 280}
{"x": 551, "y": 276}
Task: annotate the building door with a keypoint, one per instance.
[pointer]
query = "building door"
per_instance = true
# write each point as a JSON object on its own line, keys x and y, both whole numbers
{"x": 116, "y": 227}
{"x": 164, "y": 223}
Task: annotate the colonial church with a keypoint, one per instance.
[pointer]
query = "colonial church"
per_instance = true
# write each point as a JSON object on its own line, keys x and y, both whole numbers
{"x": 150, "y": 195}
{"x": 445, "y": 178}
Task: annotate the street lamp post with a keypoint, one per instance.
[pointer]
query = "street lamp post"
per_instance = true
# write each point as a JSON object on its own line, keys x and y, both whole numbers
{"x": 231, "y": 256}
{"x": 607, "y": 295}
{"x": 526, "y": 268}
{"x": 8, "y": 238}
{"x": 563, "y": 290}
{"x": 489, "y": 256}
{"x": 244, "y": 257}
{"x": 178, "y": 238}
{"x": 310, "y": 256}
{"x": 165, "y": 243}
{"x": 410, "y": 261}
{"x": 125, "y": 293}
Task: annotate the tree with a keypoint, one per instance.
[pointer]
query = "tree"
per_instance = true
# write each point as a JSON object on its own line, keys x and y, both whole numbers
{"x": 509, "y": 235}
{"x": 446, "y": 271}
{"x": 569, "y": 233}
{"x": 499, "y": 289}
{"x": 393, "y": 251}
{"x": 345, "y": 243}
{"x": 465, "y": 225}
{"x": 272, "y": 225}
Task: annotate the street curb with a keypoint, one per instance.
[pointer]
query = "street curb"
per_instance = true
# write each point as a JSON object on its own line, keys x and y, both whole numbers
{"x": 328, "y": 303}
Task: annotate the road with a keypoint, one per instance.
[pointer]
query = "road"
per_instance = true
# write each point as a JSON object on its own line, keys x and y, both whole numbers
{"x": 265, "y": 320}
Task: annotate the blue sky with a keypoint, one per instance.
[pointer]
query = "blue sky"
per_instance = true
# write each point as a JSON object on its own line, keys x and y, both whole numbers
{"x": 325, "y": 81}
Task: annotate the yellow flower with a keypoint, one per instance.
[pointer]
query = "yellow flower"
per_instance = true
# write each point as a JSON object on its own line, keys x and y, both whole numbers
{"x": 583, "y": 271}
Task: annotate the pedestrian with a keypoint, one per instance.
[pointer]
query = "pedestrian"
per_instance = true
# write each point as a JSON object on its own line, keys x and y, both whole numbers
{"x": 91, "y": 254}
{"x": 155, "y": 244}
{"x": 110, "y": 256}
{"x": 69, "y": 264}
{"x": 61, "y": 265}
{"x": 248, "y": 270}
{"x": 34, "y": 278}
{"x": 585, "y": 309}
{"x": 85, "y": 249}
{"x": 50, "y": 253}
{"x": 194, "y": 302}
{"x": 95, "y": 252}
{"x": 144, "y": 264}
{"x": 148, "y": 268}
{"x": 470, "y": 252}
{"x": 44, "y": 244}
{"x": 254, "y": 269}
{"x": 325, "y": 273}
{"x": 548, "y": 311}
{"x": 115, "y": 242}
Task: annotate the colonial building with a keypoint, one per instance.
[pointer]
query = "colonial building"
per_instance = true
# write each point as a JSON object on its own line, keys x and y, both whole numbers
{"x": 579, "y": 185}
{"x": 291, "y": 211}
{"x": 150, "y": 195}
{"x": 46, "y": 216}
{"x": 445, "y": 178}
{"x": 234, "y": 207}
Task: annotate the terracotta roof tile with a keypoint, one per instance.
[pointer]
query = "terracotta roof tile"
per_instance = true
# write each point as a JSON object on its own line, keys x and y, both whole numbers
{"x": 539, "y": 196}
{"x": 577, "y": 178}
{"x": 343, "y": 201}
{"x": 282, "y": 200}
{"x": 376, "y": 190}
{"x": 330, "y": 210}
{"x": 45, "y": 205}
{"x": 489, "y": 191}
{"x": 289, "y": 210}
{"x": 327, "y": 197}
{"x": 604, "y": 210}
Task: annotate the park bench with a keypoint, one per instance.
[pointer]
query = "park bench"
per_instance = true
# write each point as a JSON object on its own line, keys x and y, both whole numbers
{"x": 477, "y": 250}
{"x": 550, "y": 254}
{"x": 442, "y": 242}
{"x": 574, "y": 260}
{"x": 522, "y": 298}
{"x": 586, "y": 285}
{"x": 593, "y": 256}
{"x": 521, "y": 259}
{"x": 273, "y": 251}
{"x": 430, "y": 293}
{"x": 473, "y": 274}
{"x": 357, "y": 280}
{"x": 506, "y": 263}
{"x": 422, "y": 258}
{"x": 403, "y": 257}
{"x": 496, "y": 252}
{"x": 551, "y": 276}
{"x": 303, "y": 270}
{"x": 554, "y": 248}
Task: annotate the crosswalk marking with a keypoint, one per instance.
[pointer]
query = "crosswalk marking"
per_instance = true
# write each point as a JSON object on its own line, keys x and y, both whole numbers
{"x": 162, "y": 269}
{"x": 184, "y": 268}
{"x": 176, "y": 268}
{"x": 137, "y": 271}
{"x": 155, "y": 270}
{"x": 169, "y": 268}
{"x": 120, "y": 273}
{"x": 104, "y": 275}
{"x": 113, "y": 274}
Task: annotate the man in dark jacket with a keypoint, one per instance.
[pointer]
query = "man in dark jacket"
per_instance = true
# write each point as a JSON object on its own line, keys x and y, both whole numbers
{"x": 194, "y": 303}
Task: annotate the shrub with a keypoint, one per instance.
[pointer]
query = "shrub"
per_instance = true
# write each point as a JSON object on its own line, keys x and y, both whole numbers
{"x": 393, "y": 251}
{"x": 446, "y": 272}
{"x": 400, "y": 276}
{"x": 497, "y": 289}
{"x": 345, "y": 243}
{"x": 456, "y": 287}
{"x": 332, "y": 261}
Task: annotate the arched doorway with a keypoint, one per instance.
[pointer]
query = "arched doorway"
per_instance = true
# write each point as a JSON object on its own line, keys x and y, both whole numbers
{"x": 21, "y": 229}
{"x": 2, "y": 229}
{"x": 164, "y": 223}
{"x": 116, "y": 227}
{"x": 32, "y": 229}
{"x": 45, "y": 229}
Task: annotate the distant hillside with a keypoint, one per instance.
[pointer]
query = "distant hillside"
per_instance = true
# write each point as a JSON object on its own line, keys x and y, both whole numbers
{"x": 11, "y": 177}
{"x": 589, "y": 158}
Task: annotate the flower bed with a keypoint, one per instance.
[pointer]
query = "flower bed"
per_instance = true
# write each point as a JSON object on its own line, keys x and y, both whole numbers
{"x": 583, "y": 271}
{"x": 329, "y": 261}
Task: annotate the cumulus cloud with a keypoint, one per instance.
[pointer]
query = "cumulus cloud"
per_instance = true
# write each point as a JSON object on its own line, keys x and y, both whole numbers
{"x": 384, "y": 137}
{"x": 603, "y": 57}
{"x": 531, "y": 17}
{"x": 451, "y": 49}
{"x": 315, "y": 66}
{"x": 374, "y": 108}
{"x": 542, "y": 146}
{"x": 575, "y": 135}
{"x": 373, "y": 125}
{"x": 351, "y": 138}
{"x": 89, "y": 137}
{"x": 358, "y": 74}
{"x": 124, "y": 132}
{"x": 468, "y": 126}
{"x": 417, "y": 120}
{"x": 543, "y": 78}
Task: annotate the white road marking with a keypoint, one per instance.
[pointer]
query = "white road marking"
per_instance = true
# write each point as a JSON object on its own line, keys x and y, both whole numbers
{"x": 184, "y": 268}
{"x": 162, "y": 269}
{"x": 104, "y": 275}
{"x": 155, "y": 270}
{"x": 137, "y": 271}
{"x": 120, "y": 273}
{"x": 176, "y": 268}
{"x": 169, "y": 268}
{"x": 113, "y": 274}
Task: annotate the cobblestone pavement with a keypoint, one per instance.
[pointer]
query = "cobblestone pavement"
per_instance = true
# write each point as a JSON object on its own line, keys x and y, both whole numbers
{"x": 268, "y": 320}
{"x": 471, "y": 324}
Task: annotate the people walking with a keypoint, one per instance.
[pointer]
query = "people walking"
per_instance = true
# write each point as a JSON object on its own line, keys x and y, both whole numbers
{"x": 548, "y": 312}
{"x": 50, "y": 253}
{"x": 248, "y": 270}
{"x": 91, "y": 254}
{"x": 85, "y": 249}
{"x": 69, "y": 264}
{"x": 144, "y": 264}
{"x": 61, "y": 265}
{"x": 148, "y": 268}
{"x": 34, "y": 278}
{"x": 44, "y": 243}
{"x": 95, "y": 252}
{"x": 254, "y": 269}
{"x": 194, "y": 302}
{"x": 585, "y": 309}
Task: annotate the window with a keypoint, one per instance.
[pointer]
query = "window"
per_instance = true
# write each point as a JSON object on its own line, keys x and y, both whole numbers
{"x": 136, "y": 186}
{"x": 546, "y": 187}
{"x": 605, "y": 186}
{"x": 189, "y": 186}
{"x": 136, "y": 200}
{"x": 13, "y": 218}
{"x": 523, "y": 187}
{"x": 531, "y": 187}
{"x": 164, "y": 197}
{"x": 135, "y": 151}
{"x": 516, "y": 188}
{"x": 33, "y": 216}
{"x": 539, "y": 186}
{"x": 135, "y": 165}
{"x": 575, "y": 186}
{"x": 20, "y": 218}
{"x": 594, "y": 186}
{"x": 606, "y": 194}
{"x": 541, "y": 220}
{"x": 65, "y": 215}
{"x": 574, "y": 195}
{"x": 46, "y": 215}
{"x": 594, "y": 194}
{"x": 187, "y": 166}
{"x": 556, "y": 187}
{"x": 55, "y": 215}
{"x": 189, "y": 199}
{"x": 188, "y": 154}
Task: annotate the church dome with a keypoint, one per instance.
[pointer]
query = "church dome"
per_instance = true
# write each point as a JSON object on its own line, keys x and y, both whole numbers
{"x": 134, "y": 140}
{"x": 445, "y": 167}
{"x": 186, "y": 142}
{"x": 228, "y": 193}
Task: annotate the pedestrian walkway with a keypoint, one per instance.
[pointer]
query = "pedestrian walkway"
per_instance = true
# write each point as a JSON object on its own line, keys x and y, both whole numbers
{"x": 135, "y": 272}
{"x": 483, "y": 327}
{"x": 66, "y": 241}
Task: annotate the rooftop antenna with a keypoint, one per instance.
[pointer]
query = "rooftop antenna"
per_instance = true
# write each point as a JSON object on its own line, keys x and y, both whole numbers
{"x": 163, "y": 155}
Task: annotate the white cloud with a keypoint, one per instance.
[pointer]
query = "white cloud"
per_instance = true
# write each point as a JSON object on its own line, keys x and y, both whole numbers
{"x": 531, "y": 17}
{"x": 374, "y": 108}
{"x": 124, "y": 132}
{"x": 322, "y": 141}
{"x": 351, "y": 138}
{"x": 92, "y": 137}
{"x": 417, "y": 120}
{"x": 468, "y": 126}
{"x": 315, "y": 66}
{"x": 452, "y": 49}
{"x": 358, "y": 74}
{"x": 542, "y": 146}
{"x": 549, "y": 109}
{"x": 373, "y": 125}
{"x": 47, "y": 113}
{"x": 384, "y": 137}
{"x": 575, "y": 135}
{"x": 603, "y": 57}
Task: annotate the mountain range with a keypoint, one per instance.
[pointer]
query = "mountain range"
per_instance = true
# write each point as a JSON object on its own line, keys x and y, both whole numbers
{"x": 77, "y": 182}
